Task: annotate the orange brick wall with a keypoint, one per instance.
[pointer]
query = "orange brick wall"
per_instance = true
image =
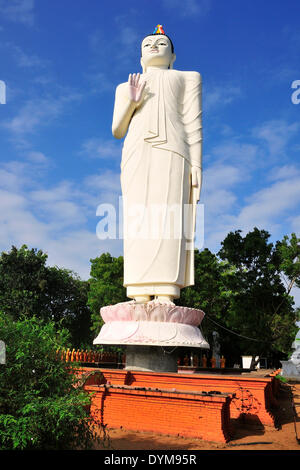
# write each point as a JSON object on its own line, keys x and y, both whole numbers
{"x": 253, "y": 398}
{"x": 162, "y": 411}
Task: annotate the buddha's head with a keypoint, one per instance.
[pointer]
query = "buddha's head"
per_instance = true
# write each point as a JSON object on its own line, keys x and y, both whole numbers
{"x": 157, "y": 50}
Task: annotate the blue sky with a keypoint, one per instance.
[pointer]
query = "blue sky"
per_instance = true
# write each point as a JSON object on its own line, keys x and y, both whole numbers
{"x": 61, "y": 62}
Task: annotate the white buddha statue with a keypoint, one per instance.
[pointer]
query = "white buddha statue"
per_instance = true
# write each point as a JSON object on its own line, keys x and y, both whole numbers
{"x": 159, "y": 112}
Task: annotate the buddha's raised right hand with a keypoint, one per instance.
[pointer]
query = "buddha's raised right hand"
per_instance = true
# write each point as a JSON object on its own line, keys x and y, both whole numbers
{"x": 135, "y": 88}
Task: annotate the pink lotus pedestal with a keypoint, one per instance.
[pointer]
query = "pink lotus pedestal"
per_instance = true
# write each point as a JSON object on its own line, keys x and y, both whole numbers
{"x": 150, "y": 330}
{"x": 153, "y": 323}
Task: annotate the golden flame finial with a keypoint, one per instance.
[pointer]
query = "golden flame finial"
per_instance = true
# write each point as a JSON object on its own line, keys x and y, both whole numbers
{"x": 159, "y": 29}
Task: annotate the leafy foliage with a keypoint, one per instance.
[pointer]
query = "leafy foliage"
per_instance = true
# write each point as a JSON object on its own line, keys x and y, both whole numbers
{"x": 40, "y": 405}
{"x": 28, "y": 287}
{"x": 106, "y": 286}
{"x": 243, "y": 294}
{"x": 261, "y": 307}
{"x": 289, "y": 252}
{"x": 208, "y": 293}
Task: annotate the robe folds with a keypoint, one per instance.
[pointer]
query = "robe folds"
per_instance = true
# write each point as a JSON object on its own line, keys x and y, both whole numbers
{"x": 163, "y": 142}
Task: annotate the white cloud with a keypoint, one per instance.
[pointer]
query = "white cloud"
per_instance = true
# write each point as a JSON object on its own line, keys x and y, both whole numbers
{"x": 189, "y": 8}
{"x": 36, "y": 113}
{"x": 61, "y": 192}
{"x": 8, "y": 179}
{"x": 274, "y": 208}
{"x": 18, "y": 11}
{"x": 128, "y": 35}
{"x": 106, "y": 180}
{"x": 65, "y": 205}
{"x": 220, "y": 175}
{"x": 16, "y": 175}
{"x": 100, "y": 148}
{"x": 273, "y": 198}
{"x": 295, "y": 223}
{"x": 22, "y": 59}
{"x": 295, "y": 292}
{"x": 43, "y": 80}
{"x": 286, "y": 171}
{"x": 54, "y": 219}
{"x": 99, "y": 82}
{"x": 273, "y": 202}
{"x": 18, "y": 224}
{"x": 32, "y": 115}
{"x": 75, "y": 250}
{"x": 61, "y": 210}
{"x": 122, "y": 52}
{"x": 220, "y": 200}
{"x": 130, "y": 41}
{"x": 38, "y": 158}
{"x": 10, "y": 202}
{"x": 219, "y": 96}
{"x": 96, "y": 38}
{"x": 276, "y": 134}
{"x": 69, "y": 246}
{"x": 245, "y": 155}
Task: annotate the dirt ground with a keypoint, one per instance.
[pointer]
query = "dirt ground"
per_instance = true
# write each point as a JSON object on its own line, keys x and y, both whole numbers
{"x": 286, "y": 437}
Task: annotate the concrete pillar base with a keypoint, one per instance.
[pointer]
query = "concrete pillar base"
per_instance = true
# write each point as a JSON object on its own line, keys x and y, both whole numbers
{"x": 151, "y": 358}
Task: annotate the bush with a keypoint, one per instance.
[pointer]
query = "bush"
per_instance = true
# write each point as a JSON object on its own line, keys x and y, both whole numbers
{"x": 281, "y": 378}
{"x": 40, "y": 405}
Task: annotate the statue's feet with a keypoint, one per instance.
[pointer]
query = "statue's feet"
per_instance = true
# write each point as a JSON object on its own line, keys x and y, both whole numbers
{"x": 164, "y": 299}
{"x": 142, "y": 299}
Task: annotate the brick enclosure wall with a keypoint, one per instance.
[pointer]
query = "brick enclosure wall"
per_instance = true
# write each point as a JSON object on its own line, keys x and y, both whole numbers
{"x": 183, "y": 413}
{"x": 253, "y": 400}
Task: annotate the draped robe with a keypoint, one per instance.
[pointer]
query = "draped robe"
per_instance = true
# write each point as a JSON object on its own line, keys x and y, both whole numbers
{"x": 163, "y": 142}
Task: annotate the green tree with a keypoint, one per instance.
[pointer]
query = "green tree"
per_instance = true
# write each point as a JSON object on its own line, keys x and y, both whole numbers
{"x": 106, "y": 286}
{"x": 259, "y": 305}
{"x": 208, "y": 293}
{"x": 289, "y": 252}
{"x": 41, "y": 405}
{"x": 31, "y": 288}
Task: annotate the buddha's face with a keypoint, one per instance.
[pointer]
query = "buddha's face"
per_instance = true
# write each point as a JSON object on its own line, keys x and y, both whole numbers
{"x": 157, "y": 51}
